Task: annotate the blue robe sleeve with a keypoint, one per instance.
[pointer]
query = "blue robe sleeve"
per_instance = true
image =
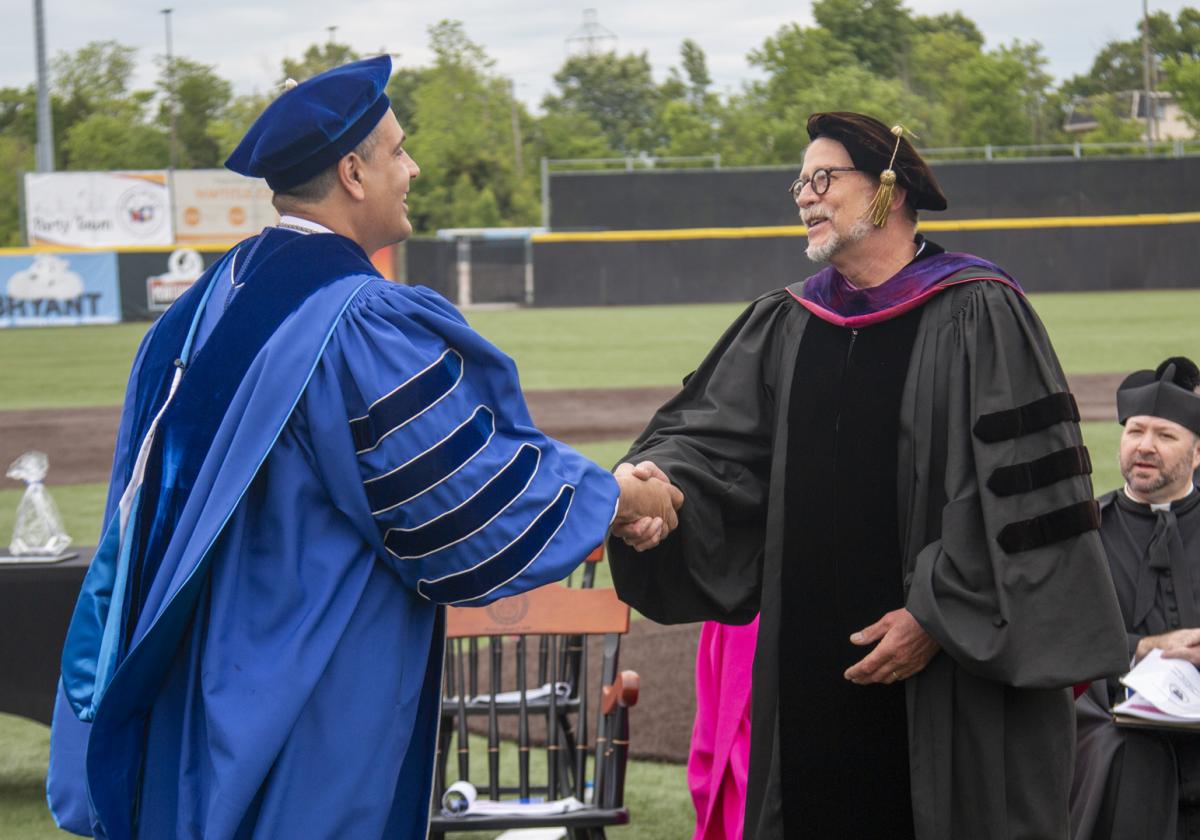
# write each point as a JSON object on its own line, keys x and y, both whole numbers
{"x": 467, "y": 501}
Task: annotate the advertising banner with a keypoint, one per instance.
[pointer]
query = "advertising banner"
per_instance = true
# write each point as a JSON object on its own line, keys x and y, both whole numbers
{"x": 153, "y": 280}
{"x": 59, "y": 290}
{"x": 97, "y": 209}
{"x": 216, "y": 205}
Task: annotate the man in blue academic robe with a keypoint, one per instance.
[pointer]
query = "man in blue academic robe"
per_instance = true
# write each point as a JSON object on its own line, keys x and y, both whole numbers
{"x": 311, "y": 462}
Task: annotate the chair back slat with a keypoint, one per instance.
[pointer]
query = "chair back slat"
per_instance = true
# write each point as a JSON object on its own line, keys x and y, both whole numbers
{"x": 464, "y": 749}
{"x": 496, "y": 649}
{"x": 552, "y": 719}
{"x": 522, "y": 722}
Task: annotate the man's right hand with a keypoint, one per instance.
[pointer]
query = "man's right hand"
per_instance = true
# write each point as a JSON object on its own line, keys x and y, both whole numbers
{"x": 1178, "y": 644}
{"x": 646, "y": 512}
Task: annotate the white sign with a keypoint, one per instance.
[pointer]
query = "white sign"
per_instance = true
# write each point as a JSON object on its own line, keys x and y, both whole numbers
{"x": 219, "y": 206}
{"x": 184, "y": 268}
{"x": 97, "y": 209}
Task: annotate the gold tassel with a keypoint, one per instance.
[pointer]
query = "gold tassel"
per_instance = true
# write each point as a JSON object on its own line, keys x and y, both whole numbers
{"x": 881, "y": 205}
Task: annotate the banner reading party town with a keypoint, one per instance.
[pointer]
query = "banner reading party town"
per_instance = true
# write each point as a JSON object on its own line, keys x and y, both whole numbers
{"x": 98, "y": 209}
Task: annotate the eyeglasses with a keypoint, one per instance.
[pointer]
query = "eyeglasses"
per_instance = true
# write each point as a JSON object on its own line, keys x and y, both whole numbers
{"x": 819, "y": 180}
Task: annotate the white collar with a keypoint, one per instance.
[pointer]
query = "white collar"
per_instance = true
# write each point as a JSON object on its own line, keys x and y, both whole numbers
{"x": 302, "y": 225}
{"x": 1157, "y": 506}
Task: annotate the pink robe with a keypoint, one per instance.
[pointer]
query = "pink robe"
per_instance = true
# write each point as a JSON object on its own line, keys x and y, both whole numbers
{"x": 720, "y": 752}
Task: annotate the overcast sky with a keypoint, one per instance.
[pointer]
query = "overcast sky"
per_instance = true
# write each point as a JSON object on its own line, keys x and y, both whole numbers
{"x": 247, "y": 40}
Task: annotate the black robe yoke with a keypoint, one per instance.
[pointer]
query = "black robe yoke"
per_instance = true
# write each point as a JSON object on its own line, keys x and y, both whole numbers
{"x": 1141, "y": 783}
{"x": 990, "y": 719}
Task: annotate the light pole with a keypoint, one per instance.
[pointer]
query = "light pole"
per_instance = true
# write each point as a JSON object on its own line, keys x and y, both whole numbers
{"x": 174, "y": 156}
{"x": 44, "y": 155}
{"x": 1147, "y": 76}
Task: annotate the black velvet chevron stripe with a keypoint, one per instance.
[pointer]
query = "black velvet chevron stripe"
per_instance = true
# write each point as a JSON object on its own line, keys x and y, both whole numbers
{"x": 496, "y": 495}
{"x": 409, "y": 400}
{"x": 1026, "y": 419}
{"x": 1061, "y": 524}
{"x": 1022, "y": 478}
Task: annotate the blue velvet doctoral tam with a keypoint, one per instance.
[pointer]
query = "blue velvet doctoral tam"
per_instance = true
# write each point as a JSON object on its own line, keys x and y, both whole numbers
{"x": 256, "y": 652}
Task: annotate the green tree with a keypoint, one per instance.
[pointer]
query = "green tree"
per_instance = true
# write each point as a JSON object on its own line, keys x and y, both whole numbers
{"x": 117, "y": 139}
{"x": 1182, "y": 78}
{"x": 878, "y": 32}
{"x": 567, "y": 136}
{"x": 691, "y": 114}
{"x": 461, "y": 135}
{"x": 93, "y": 81}
{"x": 1119, "y": 66}
{"x": 1111, "y": 113}
{"x": 201, "y": 97}
{"x": 617, "y": 93}
{"x": 317, "y": 59}
{"x": 234, "y": 120}
{"x": 400, "y": 88}
{"x": 953, "y": 23}
{"x": 16, "y": 157}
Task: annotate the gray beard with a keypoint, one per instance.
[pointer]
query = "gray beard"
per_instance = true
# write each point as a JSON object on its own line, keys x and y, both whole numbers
{"x": 836, "y": 242}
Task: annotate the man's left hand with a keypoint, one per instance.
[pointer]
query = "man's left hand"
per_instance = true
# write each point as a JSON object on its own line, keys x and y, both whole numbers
{"x": 904, "y": 649}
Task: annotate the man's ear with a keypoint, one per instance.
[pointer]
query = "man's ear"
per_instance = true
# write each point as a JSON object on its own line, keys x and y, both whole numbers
{"x": 899, "y": 197}
{"x": 351, "y": 175}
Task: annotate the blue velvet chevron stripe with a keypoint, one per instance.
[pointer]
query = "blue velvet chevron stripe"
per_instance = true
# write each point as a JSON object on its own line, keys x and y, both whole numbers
{"x": 475, "y": 513}
{"x": 440, "y": 461}
{"x": 409, "y": 401}
{"x": 507, "y": 563}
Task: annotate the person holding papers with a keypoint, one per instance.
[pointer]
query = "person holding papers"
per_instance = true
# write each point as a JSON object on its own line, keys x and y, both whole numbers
{"x": 1138, "y": 782}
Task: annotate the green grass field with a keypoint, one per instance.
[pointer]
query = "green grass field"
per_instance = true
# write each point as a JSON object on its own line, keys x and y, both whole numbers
{"x": 610, "y": 347}
{"x": 565, "y": 348}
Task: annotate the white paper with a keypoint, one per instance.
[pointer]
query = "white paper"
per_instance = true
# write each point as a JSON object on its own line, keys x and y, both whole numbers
{"x": 512, "y": 698}
{"x": 1164, "y": 689}
{"x": 461, "y": 799}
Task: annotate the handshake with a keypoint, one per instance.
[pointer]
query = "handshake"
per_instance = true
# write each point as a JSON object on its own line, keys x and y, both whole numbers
{"x": 646, "y": 510}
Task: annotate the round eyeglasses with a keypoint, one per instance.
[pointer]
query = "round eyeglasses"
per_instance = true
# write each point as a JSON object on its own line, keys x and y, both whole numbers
{"x": 819, "y": 180}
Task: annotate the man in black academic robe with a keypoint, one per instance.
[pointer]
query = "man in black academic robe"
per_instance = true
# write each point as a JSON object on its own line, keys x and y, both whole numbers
{"x": 885, "y": 460}
{"x": 1134, "y": 782}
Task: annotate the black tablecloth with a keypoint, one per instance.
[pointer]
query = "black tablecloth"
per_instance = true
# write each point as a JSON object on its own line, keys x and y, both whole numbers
{"x": 36, "y": 601}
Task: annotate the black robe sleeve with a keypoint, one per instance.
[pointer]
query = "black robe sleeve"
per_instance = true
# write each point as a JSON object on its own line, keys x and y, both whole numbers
{"x": 1016, "y": 589}
{"x": 713, "y": 440}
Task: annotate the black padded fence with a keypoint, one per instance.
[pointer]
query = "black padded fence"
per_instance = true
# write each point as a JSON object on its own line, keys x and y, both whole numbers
{"x": 432, "y": 263}
{"x": 650, "y": 200}
{"x": 1059, "y": 259}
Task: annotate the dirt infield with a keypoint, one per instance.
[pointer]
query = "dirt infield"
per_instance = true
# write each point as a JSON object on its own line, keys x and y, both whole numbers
{"x": 79, "y": 440}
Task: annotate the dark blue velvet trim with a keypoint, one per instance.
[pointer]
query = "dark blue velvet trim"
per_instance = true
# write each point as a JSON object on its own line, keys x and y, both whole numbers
{"x": 508, "y": 563}
{"x": 211, "y": 379}
{"x": 499, "y": 492}
{"x": 432, "y": 466}
{"x": 158, "y": 360}
{"x": 389, "y": 413}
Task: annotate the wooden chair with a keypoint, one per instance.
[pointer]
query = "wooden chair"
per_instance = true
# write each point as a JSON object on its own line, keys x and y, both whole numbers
{"x": 557, "y": 723}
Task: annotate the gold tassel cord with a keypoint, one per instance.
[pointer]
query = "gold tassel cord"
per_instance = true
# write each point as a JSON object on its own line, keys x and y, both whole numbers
{"x": 881, "y": 205}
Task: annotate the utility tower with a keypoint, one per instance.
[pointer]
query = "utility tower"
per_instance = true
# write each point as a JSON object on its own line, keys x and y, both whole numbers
{"x": 591, "y": 38}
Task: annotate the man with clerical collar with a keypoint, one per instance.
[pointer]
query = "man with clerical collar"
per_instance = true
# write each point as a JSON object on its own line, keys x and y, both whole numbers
{"x": 1136, "y": 783}
{"x": 883, "y": 462}
{"x": 311, "y": 463}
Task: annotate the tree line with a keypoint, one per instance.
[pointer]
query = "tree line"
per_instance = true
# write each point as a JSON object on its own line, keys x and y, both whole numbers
{"x": 479, "y": 147}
